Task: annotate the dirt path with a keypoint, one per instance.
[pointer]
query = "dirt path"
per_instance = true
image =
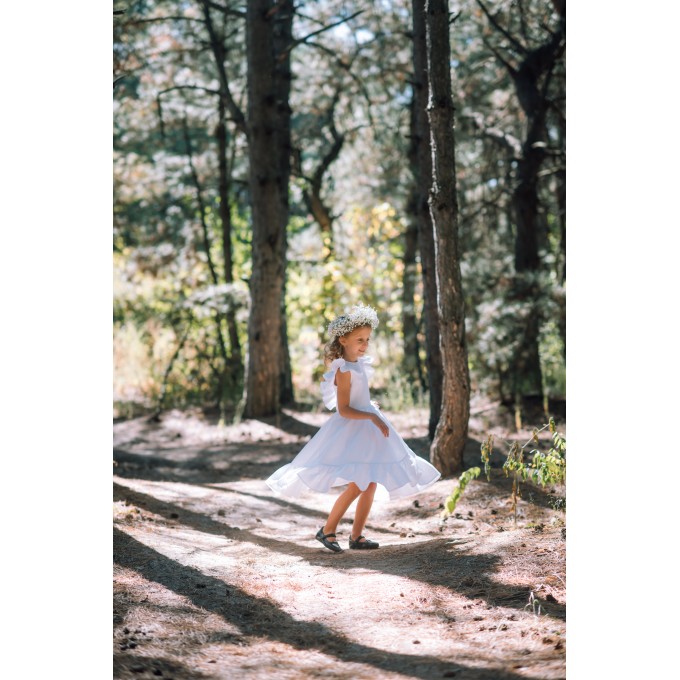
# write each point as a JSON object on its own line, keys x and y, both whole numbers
{"x": 215, "y": 577}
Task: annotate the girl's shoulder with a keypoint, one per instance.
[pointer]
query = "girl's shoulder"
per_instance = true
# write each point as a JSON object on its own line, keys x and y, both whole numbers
{"x": 328, "y": 386}
{"x": 335, "y": 365}
{"x": 366, "y": 365}
{"x": 343, "y": 365}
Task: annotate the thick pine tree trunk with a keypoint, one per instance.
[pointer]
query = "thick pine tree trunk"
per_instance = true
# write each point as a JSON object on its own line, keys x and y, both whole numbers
{"x": 531, "y": 77}
{"x": 452, "y": 429}
{"x": 527, "y": 377}
{"x": 422, "y": 164}
{"x": 531, "y": 83}
{"x": 268, "y": 43}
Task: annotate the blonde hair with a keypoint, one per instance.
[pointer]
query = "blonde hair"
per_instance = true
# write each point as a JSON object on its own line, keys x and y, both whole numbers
{"x": 334, "y": 349}
{"x": 359, "y": 316}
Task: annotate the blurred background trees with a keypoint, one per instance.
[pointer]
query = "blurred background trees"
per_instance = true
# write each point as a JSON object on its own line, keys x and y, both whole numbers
{"x": 337, "y": 161}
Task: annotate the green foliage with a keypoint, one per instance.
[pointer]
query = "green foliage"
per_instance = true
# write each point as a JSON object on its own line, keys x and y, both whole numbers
{"x": 155, "y": 317}
{"x": 399, "y": 394}
{"x": 355, "y": 78}
{"x": 544, "y": 468}
{"x": 465, "y": 478}
{"x": 366, "y": 266}
{"x": 498, "y": 319}
{"x": 534, "y": 604}
{"x": 487, "y": 450}
{"x": 553, "y": 366}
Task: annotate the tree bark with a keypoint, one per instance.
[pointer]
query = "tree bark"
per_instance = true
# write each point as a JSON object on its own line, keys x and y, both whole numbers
{"x": 411, "y": 362}
{"x": 206, "y": 244}
{"x": 452, "y": 429}
{"x": 421, "y": 161}
{"x": 268, "y": 44}
{"x": 531, "y": 78}
{"x": 225, "y": 217}
{"x": 234, "y": 368}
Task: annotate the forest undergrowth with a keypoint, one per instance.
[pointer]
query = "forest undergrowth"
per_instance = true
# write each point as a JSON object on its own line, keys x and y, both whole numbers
{"x": 216, "y": 577}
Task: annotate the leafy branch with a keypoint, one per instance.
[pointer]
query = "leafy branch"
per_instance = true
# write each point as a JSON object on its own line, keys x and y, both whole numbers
{"x": 465, "y": 478}
{"x": 545, "y": 467}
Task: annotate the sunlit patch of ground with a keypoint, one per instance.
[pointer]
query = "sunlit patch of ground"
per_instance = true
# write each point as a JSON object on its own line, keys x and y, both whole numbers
{"x": 216, "y": 577}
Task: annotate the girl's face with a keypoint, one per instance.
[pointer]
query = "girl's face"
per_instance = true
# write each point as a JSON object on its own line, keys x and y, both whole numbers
{"x": 355, "y": 344}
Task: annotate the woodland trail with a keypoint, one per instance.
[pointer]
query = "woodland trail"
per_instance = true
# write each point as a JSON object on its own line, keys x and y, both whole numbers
{"x": 216, "y": 577}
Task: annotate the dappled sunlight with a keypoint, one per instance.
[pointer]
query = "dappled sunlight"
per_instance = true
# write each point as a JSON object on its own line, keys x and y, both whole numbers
{"x": 299, "y": 187}
{"x": 239, "y": 567}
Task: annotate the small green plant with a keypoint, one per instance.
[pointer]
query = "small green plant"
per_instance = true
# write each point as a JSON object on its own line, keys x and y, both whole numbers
{"x": 487, "y": 449}
{"x": 534, "y": 603}
{"x": 544, "y": 468}
{"x": 465, "y": 478}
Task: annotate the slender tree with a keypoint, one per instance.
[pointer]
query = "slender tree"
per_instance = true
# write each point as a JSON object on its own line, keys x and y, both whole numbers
{"x": 409, "y": 318}
{"x": 268, "y": 44}
{"x": 313, "y": 185}
{"x": 531, "y": 70}
{"x": 421, "y": 159}
{"x": 452, "y": 429}
{"x": 226, "y": 106}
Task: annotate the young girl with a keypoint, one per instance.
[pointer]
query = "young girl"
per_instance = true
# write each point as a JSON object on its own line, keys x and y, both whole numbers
{"x": 357, "y": 446}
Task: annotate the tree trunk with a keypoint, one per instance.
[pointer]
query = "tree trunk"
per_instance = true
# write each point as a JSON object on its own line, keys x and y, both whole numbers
{"x": 268, "y": 43}
{"x": 225, "y": 217}
{"x": 207, "y": 247}
{"x": 527, "y": 377}
{"x": 531, "y": 77}
{"x": 411, "y": 362}
{"x": 286, "y": 393}
{"x": 234, "y": 369}
{"x": 421, "y": 161}
{"x": 452, "y": 429}
{"x": 562, "y": 255}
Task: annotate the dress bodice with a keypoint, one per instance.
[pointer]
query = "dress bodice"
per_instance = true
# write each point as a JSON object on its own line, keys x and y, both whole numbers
{"x": 354, "y": 450}
{"x": 359, "y": 395}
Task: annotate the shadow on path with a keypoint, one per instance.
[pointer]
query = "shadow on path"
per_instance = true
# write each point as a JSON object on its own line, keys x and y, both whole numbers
{"x": 437, "y": 562}
{"x": 260, "y": 617}
{"x": 228, "y": 463}
{"x": 291, "y": 425}
{"x": 319, "y": 515}
{"x": 157, "y": 665}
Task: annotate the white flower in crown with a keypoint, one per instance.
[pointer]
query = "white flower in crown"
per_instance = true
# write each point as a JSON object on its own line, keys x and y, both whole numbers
{"x": 359, "y": 315}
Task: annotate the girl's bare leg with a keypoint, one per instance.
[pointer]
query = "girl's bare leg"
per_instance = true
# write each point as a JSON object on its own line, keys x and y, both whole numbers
{"x": 363, "y": 508}
{"x": 342, "y": 503}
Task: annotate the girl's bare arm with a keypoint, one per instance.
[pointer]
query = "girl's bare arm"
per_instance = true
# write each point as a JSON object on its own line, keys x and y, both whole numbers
{"x": 343, "y": 381}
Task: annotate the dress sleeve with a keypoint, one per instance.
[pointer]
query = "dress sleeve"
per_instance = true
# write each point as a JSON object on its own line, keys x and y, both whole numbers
{"x": 368, "y": 369}
{"x": 329, "y": 390}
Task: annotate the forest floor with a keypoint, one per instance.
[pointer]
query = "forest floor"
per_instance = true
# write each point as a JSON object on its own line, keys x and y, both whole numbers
{"x": 217, "y": 577}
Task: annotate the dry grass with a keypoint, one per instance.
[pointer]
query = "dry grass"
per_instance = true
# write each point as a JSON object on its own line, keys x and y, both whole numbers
{"x": 215, "y": 577}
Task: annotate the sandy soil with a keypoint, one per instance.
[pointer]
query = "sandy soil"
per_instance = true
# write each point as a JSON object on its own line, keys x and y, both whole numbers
{"x": 216, "y": 577}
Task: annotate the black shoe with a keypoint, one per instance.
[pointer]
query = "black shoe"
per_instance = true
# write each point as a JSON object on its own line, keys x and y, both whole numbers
{"x": 331, "y": 545}
{"x": 358, "y": 544}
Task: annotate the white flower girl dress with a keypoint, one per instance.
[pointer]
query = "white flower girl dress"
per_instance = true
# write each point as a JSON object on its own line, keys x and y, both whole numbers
{"x": 346, "y": 450}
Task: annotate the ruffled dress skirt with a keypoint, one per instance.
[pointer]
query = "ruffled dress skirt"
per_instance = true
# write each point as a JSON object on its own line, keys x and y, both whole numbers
{"x": 346, "y": 450}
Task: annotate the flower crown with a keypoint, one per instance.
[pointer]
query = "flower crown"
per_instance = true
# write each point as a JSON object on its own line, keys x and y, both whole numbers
{"x": 359, "y": 315}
